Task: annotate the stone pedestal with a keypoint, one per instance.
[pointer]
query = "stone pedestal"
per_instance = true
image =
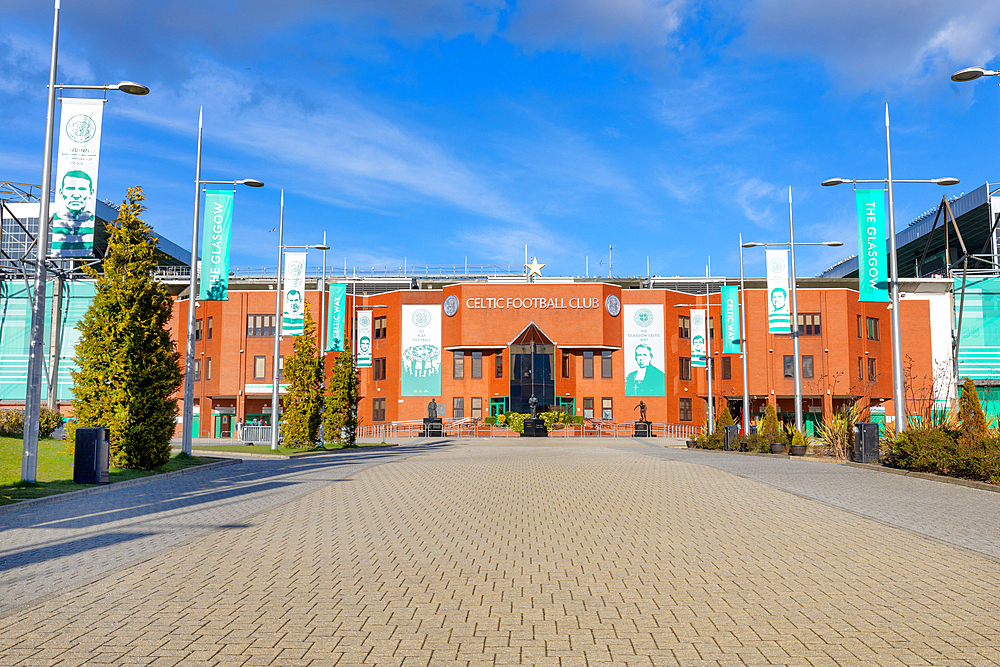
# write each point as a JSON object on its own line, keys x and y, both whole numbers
{"x": 433, "y": 428}
{"x": 534, "y": 428}
{"x": 643, "y": 430}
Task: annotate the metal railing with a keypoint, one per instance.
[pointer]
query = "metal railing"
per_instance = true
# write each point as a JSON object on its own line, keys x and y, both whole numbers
{"x": 335, "y": 274}
{"x": 469, "y": 428}
{"x": 257, "y": 435}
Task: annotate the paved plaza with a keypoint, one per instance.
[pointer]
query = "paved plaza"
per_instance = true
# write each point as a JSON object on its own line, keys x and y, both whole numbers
{"x": 486, "y": 552}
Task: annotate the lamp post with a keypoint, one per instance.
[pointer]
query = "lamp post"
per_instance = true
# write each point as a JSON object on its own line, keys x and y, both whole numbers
{"x": 275, "y": 413}
{"x": 32, "y": 397}
{"x": 972, "y": 73}
{"x": 898, "y": 398}
{"x": 709, "y": 363}
{"x": 797, "y": 360}
{"x": 743, "y": 346}
{"x": 188, "y": 411}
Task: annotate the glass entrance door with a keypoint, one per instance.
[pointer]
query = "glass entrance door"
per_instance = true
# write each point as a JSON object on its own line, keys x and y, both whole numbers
{"x": 532, "y": 360}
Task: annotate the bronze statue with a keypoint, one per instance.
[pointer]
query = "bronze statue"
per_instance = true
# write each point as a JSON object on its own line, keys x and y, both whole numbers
{"x": 532, "y": 402}
{"x": 642, "y": 411}
{"x": 432, "y": 410}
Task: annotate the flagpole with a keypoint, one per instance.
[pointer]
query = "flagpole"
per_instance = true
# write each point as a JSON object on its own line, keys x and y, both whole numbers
{"x": 743, "y": 347}
{"x": 275, "y": 425}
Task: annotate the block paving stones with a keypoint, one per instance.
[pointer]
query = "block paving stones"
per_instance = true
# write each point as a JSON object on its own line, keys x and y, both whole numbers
{"x": 543, "y": 553}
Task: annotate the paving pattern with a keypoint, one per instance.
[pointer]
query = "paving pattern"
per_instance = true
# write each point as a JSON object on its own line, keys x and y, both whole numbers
{"x": 551, "y": 553}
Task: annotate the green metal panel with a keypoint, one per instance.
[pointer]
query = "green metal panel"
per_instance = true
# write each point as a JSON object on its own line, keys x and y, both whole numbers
{"x": 194, "y": 426}
{"x": 979, "y": 347}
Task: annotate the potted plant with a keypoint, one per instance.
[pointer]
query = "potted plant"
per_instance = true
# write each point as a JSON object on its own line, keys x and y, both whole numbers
{"x": 798, "y": 446}
{"x": 772, "y": 431}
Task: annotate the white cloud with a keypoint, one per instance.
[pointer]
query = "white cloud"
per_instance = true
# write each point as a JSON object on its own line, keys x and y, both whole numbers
{"x": 757, "y": 199}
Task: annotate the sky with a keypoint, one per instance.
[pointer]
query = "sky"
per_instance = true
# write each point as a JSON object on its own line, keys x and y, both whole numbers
{"x": 439, "y": 132}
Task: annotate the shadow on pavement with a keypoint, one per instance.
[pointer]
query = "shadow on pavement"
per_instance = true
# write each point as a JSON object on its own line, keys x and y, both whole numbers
{"x": 50, "y": 551}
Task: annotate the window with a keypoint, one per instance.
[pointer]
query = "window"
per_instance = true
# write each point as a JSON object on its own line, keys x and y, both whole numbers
{"x": 458, "y": 407}
{"x": 378, "y": 410}
{"x": 685, "y": 406}
{"x": 498, "y": 358}
{"x": 588, "y": 408}
{"x": 606, "y": 411}
{"x": 711, "y": 328}
{"x": 208, "y": 367}
{"x": 477, "y": 365}
{"x": 197, "y": 369}
{"x": 685, "y": 368}
{"x": 860, "y": 326}
{"x": 477, "y": 407}
{"x": 458, "y": 370}
{"x": 208, "y": 325}
{"x": 789, "y": 365}
{"x": 872, "y": 328}
{"x": 281, "y": 368}
{"x": 260, "y": 326}
{"x": 809, "y": 324}
{"x": 378, "y": 368}
{"x": 727, "y": 368}
{"x": 606, "y": 363}
{"x": 861, "y": 369}
{"x": 872, "y": 370}
{"x": 378, "y": 327}
{"x": 197, "y": 329}
{"x": 683, "y": 326}
{"x": 807, "y": 366}
{"x": 565, "y": 364}
{"x": 588, "y": 364}
{"x": 258, "y": 368}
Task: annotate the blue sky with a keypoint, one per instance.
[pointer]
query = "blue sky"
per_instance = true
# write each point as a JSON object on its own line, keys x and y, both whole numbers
{"x": 439, "y": 131}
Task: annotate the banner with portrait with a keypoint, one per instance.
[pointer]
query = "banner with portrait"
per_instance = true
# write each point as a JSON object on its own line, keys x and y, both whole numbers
{"x": 644, "y": 360}
{"x": 77, "y": 160}
{"x": 779, "y": 316}
{"x": 731, "y": 320}
{"x": 420, "y": 361}
{"x": 293, "y": 312}
{"x": 699, "y": 339}
{"x": 216, "y": 234}
{"x": 363, "y": 346}
{"x": 337, "y": 306}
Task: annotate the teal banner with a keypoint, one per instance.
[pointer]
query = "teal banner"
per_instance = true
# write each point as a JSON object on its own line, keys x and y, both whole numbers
{"x": 873, "y": 280}
{"x": 216, "y": 234}
{"x": 731, "y": 320}
{"x": 335, "y": 321}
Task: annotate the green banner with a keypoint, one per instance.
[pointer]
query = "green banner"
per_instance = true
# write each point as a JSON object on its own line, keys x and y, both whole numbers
{"x": 731, "y": 320}
{"x": 873, "y": 280}
{"x": 216, "y": 234}
{"x": 335, "y": 320}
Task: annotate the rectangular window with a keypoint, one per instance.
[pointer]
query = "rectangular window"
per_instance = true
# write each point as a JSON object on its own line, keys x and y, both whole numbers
{"x": 281, "y": 368}
{"x": 258, "y": 368}
{"x": 208, "y": 367}
{"x": 606, "y": 411}
{"x": 872, "y": 328}
{"x": 683, "y": 326}
{"x": 498, "y": 359}
{"x": 807, "y": 366}
{"x": 477, "y": 365}
{"x": 197, "y": 329}
{"x": 872, "y": 370}
{"x": 208, "y": 324}
{"x": 860, "y": 326}
{"x": 861, "y": 369}
{"x": 789, "y": 365}
{"x": 378, "y": 410}
{"x": 565, "y": 364}
{"x": 685, "y": 406}
{"x": 588, "y": 408}
{"x": 727, "y": 368}
{"x": 711, "y": 328}
{"x": 197, "y": 369}
{"x": 477, "y": 408}
{"x": 378, "y": 368}
{"x": 458, "y": 407}
{"x": 259, "y": 326}
{"x": 606, "y": 363}
{"x": 458, "y": 369}
{"x": 588, "y": 364}
{"x": 809, "y": 324}
{"x": 378, "y": 327}
{"x": 685, "y": 368}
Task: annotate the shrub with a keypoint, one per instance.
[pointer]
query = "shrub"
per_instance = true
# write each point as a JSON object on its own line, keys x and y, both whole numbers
{"x": 937, "y": 451}
{"x": 553, "y": 420}
{"x": 836, "y": 432}
{"x": 797, "y": 437}
{"x": 502, "y": 419}
{"x": 971, "y": 417}
{"x": 12, "y": 423}
{"x": 771, "y": 427}
{"x": 48, "y": 421}
{"x": 490, "y": 421}
{"x": 757, "y": 443}
{"x": 724, "y": 419}
{"x": 515, "y": 421}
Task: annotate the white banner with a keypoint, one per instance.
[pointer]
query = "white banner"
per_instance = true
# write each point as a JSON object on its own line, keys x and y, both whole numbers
{"x": 644, "y": 350}
{"x": 779, "y": 318}
{"x": 294, "y": 298}
{"x": 76, "y": 178}
{"x": 699, "y": 338}
{"x": 364, "y": 344}
{"x": 421, "y": 351}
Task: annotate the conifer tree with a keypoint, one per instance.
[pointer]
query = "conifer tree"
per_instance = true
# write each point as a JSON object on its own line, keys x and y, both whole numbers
{"x": 303, "y": 403}
{"x": 342, "y": 399}
{"x": 128, "y": 367}
{"x": 970, "y": 413}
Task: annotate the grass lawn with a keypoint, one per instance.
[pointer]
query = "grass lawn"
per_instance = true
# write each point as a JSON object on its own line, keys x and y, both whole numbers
{"x": 55, "y": 470}
{"x": 266, "y": 449}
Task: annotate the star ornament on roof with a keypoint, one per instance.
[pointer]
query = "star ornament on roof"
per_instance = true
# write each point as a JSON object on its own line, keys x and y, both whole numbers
{"x": 534, "y": 269}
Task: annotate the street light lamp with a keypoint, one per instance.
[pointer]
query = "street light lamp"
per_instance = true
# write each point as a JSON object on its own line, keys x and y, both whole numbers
{"x": 972, "y": 73}
{"x": 898, "y": 398}
{"x": 32, "y": 397}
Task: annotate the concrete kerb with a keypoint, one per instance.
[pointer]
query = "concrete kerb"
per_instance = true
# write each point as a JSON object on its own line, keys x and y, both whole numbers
{"x": 957, "y": 481}
{"x": 104, "y": 488}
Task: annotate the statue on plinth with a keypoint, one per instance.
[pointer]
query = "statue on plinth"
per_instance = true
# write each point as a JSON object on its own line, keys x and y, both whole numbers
{"x": 432, "y": 410}
{"x": 642, "y": 410}
{"x": 532, "y": 402}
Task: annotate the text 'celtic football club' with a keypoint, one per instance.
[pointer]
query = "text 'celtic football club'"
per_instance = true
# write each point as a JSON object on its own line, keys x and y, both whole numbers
{"x": 531, "y": 302}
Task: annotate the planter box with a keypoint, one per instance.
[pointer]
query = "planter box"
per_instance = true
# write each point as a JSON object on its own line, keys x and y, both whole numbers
{"x": 777, "y": 448}
{"x": 797, "y": 450}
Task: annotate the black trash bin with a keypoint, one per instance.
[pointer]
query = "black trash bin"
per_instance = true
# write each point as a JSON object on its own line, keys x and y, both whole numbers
{"x": 91, "y": 455}
{"x": 865, "y": 443}
{"x": 731, "y": 435}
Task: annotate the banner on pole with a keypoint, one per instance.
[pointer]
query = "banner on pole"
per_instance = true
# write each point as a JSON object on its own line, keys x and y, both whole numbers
{"x": 76, "y": 178}
{"x": 217, "y": 232}
{"x": 731, "y": 320}
{"x": 421, "y": 351}
{"x": 335, "y": 320}
{"x": 873, "y": 280}
{"x": 699, "y": 339}
{"x": 363, "y": 347}
{"x": 294, "y": 298}
{"x": 644, "y": 350}
{"x": 779, "y": 318}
